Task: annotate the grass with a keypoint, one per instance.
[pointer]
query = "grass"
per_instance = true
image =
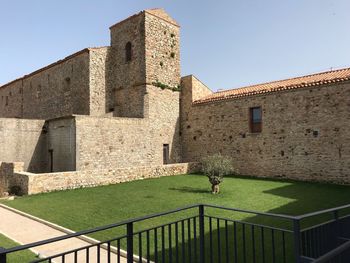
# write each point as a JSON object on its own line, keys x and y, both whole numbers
{"x": 20, "y": 257}
{"x": 91, "y": 207}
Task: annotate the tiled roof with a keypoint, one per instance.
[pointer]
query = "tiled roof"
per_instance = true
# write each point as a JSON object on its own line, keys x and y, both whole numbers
{"x": 318, "y": 79}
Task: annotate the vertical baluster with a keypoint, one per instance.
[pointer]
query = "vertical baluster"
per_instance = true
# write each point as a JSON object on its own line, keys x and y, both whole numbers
{"x": 226, "y": 241}
{"x": 195, "y": 238}
{"x": 312, "y": 239}
{"x": 170, "y": 245}
{"x": 3, "y": 256}
{"x": 219, "y": 243}
{"x": 283, "y": 247}
{"x": 177, "y": 241}
{"x": 183, "y": 240}
{"x": 118, "y": 248}
{"x": 201, "y": 234}
{"x": 262, "y": 244}
{"x": 235, "y": 241}
{"x": 148, "y": 245}
{"x": 189, "y": 239}
{"x": 244, "y": 247}
{"x": 63, "y": 258}
{"x": 140, "y": 247}
{"x": 109, "y": 252}
{"x": 253, "y": 242}
{"x": 211, "y": 240}
{"x": 163, "y": 245}
{"x": 155, "y": 245}
{"x": 273, "y": 245}
{"x": 75, "y": 256}
{"x": 303, "y": 244}
{"x": 296, "y": 232}
{"x": 98, "y": 253}
{"x": 130, "y": 242}
{"x": 88, "y": 255}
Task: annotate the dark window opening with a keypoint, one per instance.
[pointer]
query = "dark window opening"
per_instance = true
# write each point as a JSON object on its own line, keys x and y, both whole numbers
{"x": 255, "y": 119}
{"x": 128, "y": 52}
{"x": 166, "y": 154}
{"x": 51, "y": 159}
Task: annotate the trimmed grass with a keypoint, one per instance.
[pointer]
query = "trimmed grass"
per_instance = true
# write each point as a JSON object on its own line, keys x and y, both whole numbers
{"x": 20, "y": 257}
{"x": 91, "y": 207}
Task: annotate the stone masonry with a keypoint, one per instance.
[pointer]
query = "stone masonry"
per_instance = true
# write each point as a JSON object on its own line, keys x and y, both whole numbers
{"x": 119, "y": 109}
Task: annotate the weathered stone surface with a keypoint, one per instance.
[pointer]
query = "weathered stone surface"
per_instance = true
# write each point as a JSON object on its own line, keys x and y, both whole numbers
{"x": 23, "y": 141}
{"x": 31, "y": 183}
{"x": 105, "y": 112}
{"x": 57, "y": 90}
{"x": 304, "y": 132}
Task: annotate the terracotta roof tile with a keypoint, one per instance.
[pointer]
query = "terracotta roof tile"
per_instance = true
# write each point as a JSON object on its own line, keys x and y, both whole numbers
{"x": 318, "y": 79}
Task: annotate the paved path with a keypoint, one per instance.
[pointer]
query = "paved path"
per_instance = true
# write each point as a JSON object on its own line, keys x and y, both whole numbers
{"x": 24, "y": 230}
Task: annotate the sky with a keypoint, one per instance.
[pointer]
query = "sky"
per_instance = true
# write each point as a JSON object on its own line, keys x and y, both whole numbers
{"x": 226, "y": 44}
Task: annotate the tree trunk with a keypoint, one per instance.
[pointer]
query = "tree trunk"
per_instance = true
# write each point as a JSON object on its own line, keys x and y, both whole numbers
{"x": 215, "y": 189}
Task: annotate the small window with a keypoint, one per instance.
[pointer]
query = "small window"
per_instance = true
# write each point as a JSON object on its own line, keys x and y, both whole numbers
{"x": 255, "y": 119}
{"x": 166, "y": 154}
{"x": 128, "y": 52}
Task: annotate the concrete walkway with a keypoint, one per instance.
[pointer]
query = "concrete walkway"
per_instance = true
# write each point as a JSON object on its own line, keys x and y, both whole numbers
{"x": 24, "y": 230}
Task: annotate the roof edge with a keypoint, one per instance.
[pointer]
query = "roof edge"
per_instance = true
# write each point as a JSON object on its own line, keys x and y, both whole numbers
{"x": 209, "y": 99}
{"x": 85, "y": 50}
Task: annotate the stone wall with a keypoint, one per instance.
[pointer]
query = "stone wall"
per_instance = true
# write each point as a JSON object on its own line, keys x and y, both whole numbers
{"x": 24, "y": 141}
{"x": 39, "y": 183}
{"x": 164, "y": 119}
{"x": 8, "y": 178}
{"x": 162, "y": 44}
{"x": 103, "y": 143}
{"x": 125, "y": 83}
{"x": 59, "y": 89}
{"x": 305, "y": 133}
{"x": 61, "y": 145}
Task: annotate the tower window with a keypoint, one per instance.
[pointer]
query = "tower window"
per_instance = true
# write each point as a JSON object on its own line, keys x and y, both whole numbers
{"x": 128, "y": 52}
{"x": 255, "y": 117}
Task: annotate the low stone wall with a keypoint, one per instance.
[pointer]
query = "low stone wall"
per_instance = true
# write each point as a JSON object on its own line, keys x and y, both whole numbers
{"x": 31, "y": 183}
{"x": 7, "y": 175}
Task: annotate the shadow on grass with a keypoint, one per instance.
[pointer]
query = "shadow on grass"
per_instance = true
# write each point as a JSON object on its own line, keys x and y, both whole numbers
{"x": 187, "y": 189}
{"x": 249, "y": 242}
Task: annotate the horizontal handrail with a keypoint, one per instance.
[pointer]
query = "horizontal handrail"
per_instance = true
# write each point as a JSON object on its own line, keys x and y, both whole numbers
{"x": 138, "y": 219}
{"x": 289, "y": 217}
{"x": 322, "y": 212}
{"x": 333, "y": 253}
{"x": 251, "y": 224}
{"x": 94, "y": 230}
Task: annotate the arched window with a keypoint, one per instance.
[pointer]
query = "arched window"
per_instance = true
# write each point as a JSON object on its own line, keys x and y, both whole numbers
{"x": 128, "y": 51}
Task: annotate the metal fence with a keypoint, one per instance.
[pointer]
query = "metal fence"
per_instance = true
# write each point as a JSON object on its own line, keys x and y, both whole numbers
{"x": 209, "y": 233}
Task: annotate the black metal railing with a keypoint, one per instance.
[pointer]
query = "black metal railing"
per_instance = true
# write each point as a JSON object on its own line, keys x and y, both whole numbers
{"x": 209, "y": 233}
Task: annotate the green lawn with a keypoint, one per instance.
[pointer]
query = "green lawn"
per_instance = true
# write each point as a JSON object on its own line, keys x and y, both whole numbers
{"x": 91, "y": 207}
{"x": 20, "y": 257}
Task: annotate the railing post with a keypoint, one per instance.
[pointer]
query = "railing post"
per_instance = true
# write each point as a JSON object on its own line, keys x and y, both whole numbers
{"x": 297, "y": 245}
{"x": 337, "y": 226}
{"x": 201, "y": 234}
{"x": 2, "y": 255}
{"x": 129, "y": 242}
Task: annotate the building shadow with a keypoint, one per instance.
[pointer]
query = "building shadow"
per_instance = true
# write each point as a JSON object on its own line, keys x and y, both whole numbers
{"x": 254, "y": 238}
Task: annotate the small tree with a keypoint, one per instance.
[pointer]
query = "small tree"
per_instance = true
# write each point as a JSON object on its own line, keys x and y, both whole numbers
{"x": 215, "y": 167}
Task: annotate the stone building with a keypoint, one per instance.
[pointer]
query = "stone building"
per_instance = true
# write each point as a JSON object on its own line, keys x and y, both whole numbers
{"x": 98, "y": 114}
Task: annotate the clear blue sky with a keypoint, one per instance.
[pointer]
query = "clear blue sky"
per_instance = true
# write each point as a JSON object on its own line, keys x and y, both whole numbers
{"x": 226, "y": 44}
